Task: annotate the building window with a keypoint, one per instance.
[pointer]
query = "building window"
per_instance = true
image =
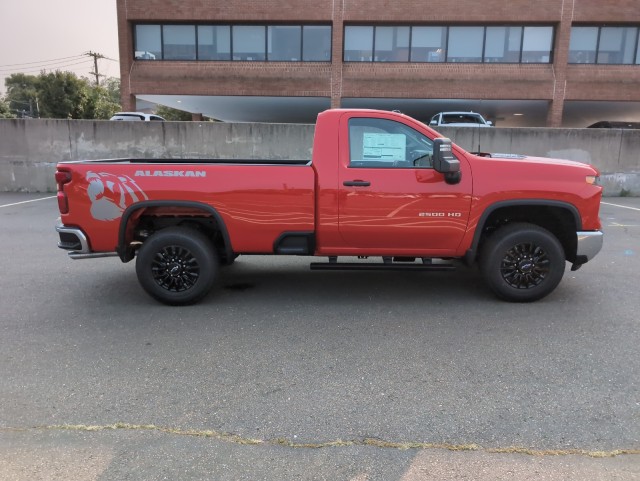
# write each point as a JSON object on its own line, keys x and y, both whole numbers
{"x": 428, "y": 44}
{"x": 503, "y": 44}
{"x": 214, "y": 42}
{"x": 468, "y": 44}
{"x": 391, "y": 44}
{"x": 537, "y": 44}
{"x": 179, "y": 42}
{"x": 465, "y": 44}
{"x": 290, "y": 43}
{"x": 248, "y": 42}
{"x": 604, "y": 45}
{"x": 617, "y": 45}
{"x": 284, "y": 43}
{"x": 358, "y": 44}
{"x": 583, "y": 45}
{"x": 148, "y": 42}
{"x": 316, "y": 43}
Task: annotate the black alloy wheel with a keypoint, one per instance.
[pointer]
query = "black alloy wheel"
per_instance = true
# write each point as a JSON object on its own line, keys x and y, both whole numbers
{"x": 177, "y": 265}
{"x": 525, "y": 266}
{"x": 175, "y": 268}
{"x": 522, "y": 262}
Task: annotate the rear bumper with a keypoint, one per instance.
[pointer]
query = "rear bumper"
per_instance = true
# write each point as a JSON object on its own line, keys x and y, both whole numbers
{"x": 589, "y": 244}
{"x": 72, "y": 239}
{"x": 75, "y": 241}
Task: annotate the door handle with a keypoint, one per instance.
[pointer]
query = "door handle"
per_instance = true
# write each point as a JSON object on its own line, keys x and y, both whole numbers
{"x": 356, "y": 183}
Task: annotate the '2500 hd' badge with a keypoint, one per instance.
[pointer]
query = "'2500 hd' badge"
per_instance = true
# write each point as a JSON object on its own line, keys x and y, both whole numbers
{"x": 440, "y": 214}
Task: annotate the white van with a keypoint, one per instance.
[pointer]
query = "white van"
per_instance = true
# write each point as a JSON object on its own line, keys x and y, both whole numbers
{"x": 459, "y": 119}
{"x": 135, "y": 116}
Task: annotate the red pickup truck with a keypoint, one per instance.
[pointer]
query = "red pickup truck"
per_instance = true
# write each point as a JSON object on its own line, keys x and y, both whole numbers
{"x": 380, "y": 185}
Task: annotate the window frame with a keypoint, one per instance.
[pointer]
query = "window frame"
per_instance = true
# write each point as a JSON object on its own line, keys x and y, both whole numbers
{"x": 195, "y": 44}
{"x": 636, "y": 53}
{"x": 446, "y": 54}
{"x": 230, "y": 26}
{"x": 229, "y": 40}
{"x": 396, "y": 164}
{"x": 330, "y": 51}
{"x": 135, "y": 42}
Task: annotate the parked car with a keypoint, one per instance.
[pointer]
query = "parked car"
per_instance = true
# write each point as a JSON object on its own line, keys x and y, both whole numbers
{"x": 144, "y": 55}
{"x": 613, "y": 124}
{"x": 136, "y": 116}
{"x": 459, "y": 119}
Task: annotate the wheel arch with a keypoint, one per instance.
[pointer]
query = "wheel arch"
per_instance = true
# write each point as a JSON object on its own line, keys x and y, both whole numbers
{"x": 127, "y": 253}
{"x": 562, "y": 219}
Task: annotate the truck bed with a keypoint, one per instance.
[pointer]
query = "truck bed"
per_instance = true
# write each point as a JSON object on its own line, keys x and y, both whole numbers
{"x": 256, "y": 204}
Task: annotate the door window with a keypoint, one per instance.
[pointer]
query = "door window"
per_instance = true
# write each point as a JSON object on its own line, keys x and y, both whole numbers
{"x": 382, "y": 143}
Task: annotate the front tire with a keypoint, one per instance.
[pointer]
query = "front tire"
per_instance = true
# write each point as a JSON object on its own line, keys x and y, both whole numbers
{"x": 522, "y": 262}
{"x": 177, "y": 266}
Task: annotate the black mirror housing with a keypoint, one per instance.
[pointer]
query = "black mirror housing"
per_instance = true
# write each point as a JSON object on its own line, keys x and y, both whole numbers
{"x": 443, "y": 159}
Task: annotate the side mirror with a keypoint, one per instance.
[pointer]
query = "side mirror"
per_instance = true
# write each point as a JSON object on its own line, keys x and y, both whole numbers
{"x": 445, "y": 162}
{"x": 433, "y": 122}
{"x": 489, "y": 123}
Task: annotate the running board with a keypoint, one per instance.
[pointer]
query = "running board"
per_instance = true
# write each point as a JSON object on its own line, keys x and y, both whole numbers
{"x": 363, "y": 266}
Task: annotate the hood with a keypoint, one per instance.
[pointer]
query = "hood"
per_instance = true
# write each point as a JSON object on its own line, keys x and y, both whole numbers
{"x": 534, "y": 160}
{"x": 463, "y": 124}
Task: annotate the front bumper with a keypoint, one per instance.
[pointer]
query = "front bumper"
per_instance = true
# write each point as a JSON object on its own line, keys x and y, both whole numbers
{"x": 589, "y": 244}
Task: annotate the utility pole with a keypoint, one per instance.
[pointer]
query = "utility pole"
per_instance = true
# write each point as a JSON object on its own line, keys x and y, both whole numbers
{"x": 95, "y": 56}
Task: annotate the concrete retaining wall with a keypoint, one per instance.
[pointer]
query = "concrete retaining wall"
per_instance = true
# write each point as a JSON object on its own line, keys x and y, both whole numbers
{"x": 615, "y": 152}
{"x": 29, "y": 149}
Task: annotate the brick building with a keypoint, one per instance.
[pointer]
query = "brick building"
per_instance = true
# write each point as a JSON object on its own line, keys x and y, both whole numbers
{"x": 550, "y": 62}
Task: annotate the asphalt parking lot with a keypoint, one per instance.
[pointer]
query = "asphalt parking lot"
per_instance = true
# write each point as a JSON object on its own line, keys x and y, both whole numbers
{"x": 287, "y": 374}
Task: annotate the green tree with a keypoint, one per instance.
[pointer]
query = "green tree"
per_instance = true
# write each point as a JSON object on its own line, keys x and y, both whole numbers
{"x": 5, "y": 110}
{"x": 62, "y": 95}
{"x": 173, "y": 114}
{"x": 22, "y": 93}
{"x": 104, "y": 100}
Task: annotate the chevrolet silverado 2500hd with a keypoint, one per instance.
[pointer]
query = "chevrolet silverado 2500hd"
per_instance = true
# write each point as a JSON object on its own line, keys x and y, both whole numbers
{"x": 379, "y": 185}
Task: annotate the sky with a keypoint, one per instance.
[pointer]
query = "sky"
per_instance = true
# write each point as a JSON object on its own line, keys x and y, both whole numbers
{"x": 53, "y": 34}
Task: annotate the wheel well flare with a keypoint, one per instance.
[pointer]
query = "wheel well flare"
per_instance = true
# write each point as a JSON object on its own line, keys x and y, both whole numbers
{"x": 141, "y": 220}
{"x": 562, "y": 221}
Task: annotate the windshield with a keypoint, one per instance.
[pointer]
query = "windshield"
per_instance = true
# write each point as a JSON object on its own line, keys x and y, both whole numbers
{"x": 461, "y": 119}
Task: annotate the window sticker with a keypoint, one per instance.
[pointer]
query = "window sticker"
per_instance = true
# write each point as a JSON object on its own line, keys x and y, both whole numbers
{"x": 384, "y": 146}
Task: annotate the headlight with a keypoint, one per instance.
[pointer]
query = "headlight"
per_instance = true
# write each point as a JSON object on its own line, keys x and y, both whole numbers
{"x": 593, "y": 179}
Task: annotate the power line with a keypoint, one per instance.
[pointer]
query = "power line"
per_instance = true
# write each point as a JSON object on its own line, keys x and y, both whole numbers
{"x": 57, "y": 64}
{"x": 42, "y": 61}
{"x": 40, "y": 68}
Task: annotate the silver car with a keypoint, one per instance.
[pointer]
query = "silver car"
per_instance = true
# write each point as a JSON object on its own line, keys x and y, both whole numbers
{"x": 459, "y": 119}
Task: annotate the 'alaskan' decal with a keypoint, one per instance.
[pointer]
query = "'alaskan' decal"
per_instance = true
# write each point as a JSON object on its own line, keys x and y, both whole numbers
{"x": 170, "y": 173}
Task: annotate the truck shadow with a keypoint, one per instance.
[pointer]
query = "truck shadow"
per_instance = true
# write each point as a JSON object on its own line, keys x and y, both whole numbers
{"x": 279, "y": 282}
{"x": 275, "y": 283}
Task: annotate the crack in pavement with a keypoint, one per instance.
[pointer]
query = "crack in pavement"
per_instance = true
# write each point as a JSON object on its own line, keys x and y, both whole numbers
{"x": 371, "y": 442}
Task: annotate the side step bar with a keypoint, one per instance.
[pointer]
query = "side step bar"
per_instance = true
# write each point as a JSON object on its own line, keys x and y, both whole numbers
{"x": 364, "y": 266}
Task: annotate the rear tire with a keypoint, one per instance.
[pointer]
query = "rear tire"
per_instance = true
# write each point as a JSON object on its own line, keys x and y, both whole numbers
{"x": 522, "y": 262}
{"x": 177, "y": 266}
